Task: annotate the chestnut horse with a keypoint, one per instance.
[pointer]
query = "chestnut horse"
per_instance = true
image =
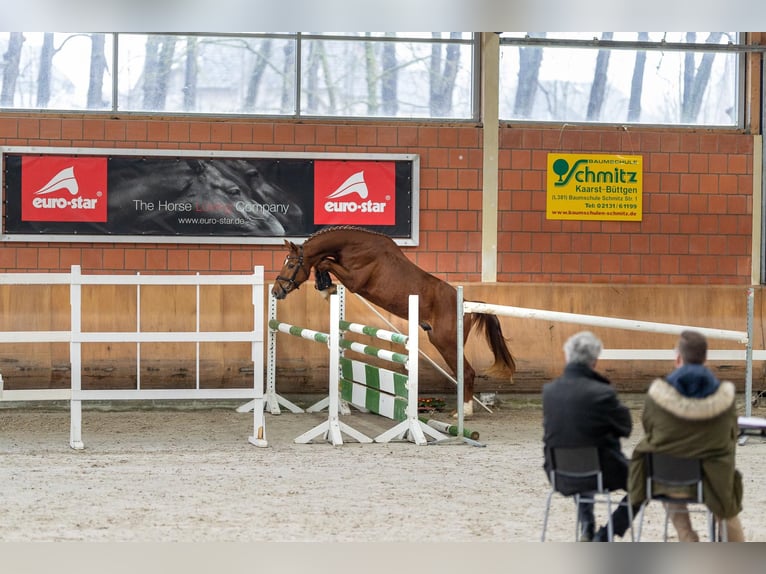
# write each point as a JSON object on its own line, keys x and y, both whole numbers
{"x": 372, "y": 265}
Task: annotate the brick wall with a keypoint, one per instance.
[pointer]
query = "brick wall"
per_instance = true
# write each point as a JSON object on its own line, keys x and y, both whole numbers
{"x": 697, "y": 208}
{"x": 697, "y": 200}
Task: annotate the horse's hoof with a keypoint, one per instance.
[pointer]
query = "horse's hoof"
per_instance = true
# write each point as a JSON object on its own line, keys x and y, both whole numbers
{"x": 325, "y": 293}
{"x": 323, "y": 280}
{"x": 467, "y": 411}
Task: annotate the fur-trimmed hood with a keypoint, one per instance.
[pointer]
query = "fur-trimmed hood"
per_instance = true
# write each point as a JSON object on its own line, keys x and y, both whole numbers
{"x": 668, "y": 398}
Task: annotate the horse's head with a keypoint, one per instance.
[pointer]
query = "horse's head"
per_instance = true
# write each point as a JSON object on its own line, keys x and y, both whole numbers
{"x": 293, "y": 272}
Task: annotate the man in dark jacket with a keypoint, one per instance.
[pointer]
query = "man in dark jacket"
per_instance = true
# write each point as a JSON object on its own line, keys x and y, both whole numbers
{"x": 581, "y": 409}
{"x": 690, "y": 413}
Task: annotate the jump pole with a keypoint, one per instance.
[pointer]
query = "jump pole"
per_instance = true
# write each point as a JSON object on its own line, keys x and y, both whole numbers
{"x": 333, "y": 427}
{"x": 433, "y": 363}
{"x": 412, "y": 425}
{"x": 743, "y": 337}
{"x": 460, "y": 438}
{"x": 273, "y": 399}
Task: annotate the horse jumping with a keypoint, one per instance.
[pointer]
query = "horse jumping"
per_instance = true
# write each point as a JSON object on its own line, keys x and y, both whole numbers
{"x": 372, "y": 265}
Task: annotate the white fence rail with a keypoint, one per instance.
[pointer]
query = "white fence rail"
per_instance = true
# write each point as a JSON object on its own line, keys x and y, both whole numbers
{"x": 75, "y": 336}
{"x": 743, "y": 337}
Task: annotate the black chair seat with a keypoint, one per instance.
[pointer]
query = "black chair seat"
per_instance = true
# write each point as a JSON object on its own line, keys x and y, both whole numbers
{"x": 667, "y": 473}
{"x": 576, "y": 472}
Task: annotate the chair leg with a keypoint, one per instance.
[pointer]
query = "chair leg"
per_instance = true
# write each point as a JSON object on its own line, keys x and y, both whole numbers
{"x": 545, "y": 516}
{"x": 577, "y": 517}
{"x": 717, "y": 528}
{"x": 630, "y": 518}
{"x": 609, "y": 524}
{"x": 640, "y": 520}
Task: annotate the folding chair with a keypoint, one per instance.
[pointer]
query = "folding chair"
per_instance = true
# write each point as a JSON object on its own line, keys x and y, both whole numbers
{"x": 677, "y": 472}
{"x": 582, "y": 466}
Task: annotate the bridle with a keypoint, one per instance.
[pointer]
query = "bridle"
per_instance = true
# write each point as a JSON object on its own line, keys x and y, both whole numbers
{"x": 291, "y": 280}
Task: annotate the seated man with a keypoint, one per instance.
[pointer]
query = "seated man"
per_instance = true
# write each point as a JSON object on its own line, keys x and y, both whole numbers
{"x": 691, "y": 414}
{"x": 581, "y": 409}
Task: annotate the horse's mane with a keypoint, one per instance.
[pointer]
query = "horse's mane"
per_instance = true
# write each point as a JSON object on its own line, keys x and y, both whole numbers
{"x": 344, "y": 228}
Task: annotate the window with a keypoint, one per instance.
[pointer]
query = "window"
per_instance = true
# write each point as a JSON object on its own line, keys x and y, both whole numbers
{"x": 387, "y": 75}
{"x": 56, "y": 71}
{"x": 682, "y": 78}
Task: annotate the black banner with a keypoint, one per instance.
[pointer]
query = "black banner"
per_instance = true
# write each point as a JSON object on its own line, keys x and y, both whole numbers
{"x": 182, "y": 197}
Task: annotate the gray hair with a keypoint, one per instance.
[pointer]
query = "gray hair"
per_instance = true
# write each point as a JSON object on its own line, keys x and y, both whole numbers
{"x": 583, "y": 348}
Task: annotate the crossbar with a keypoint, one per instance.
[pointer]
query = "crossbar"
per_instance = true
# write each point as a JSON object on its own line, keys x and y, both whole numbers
{"x": 742, "y": 337}
{"x": 593, "y": 320}
{"x": 376, "y": 332}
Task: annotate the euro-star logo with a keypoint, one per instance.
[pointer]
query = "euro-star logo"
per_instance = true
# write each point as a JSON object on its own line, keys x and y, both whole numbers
{"x": 355, "y": 192}
{"x": 63, "y": 188}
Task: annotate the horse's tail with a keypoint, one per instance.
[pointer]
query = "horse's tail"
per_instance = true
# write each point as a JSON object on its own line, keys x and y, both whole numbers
{"x": 504, "y": 364}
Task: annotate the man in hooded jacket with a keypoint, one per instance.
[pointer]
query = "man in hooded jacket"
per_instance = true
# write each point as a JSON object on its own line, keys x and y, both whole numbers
{"x": 691, "y": 414}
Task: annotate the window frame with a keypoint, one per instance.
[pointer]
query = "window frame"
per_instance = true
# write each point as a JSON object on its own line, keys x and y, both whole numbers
{"x": 741, "y": 48}
{"x": 472, "y": 42}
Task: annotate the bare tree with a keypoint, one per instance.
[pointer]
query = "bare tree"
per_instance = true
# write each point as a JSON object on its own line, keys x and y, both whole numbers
{"x": 637, "y": 82}
{"x": 97, "y": 69}
{"x": 372, "y": 75}
{"x": 157, "y": 67}
{"x": 327, "y": 72}
{"x": 530, "y": 60}
{"x": 288, "y": 86}
{"x": 390, "y": 79}
{"x": 695, "y": 80}
{"x": 190, "y": 73}
{"x": 11, "y": 60}
{"x": 311, "y": 79}
{"x": 598, "y": 88}
{"x": 262, "y": 56}
{"x": 443, "y": 77}
{"x": 45, "y": 73}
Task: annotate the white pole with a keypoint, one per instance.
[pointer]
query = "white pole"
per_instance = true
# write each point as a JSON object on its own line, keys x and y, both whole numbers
{"x": 608, "y": 322}
{"x": 749, "y": 355}
{"x": 459, "y": 367}
{"x": 259, "y": 421}
{"x": 75, "y": 359}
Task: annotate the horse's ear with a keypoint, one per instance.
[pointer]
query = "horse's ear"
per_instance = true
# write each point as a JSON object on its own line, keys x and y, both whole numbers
{"x": 290, "y": 245}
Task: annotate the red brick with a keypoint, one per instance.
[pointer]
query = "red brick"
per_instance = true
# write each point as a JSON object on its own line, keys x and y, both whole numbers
{"x": 241, "y": 133}
{"x": 50, "y": 128}
{"x": 446, "y": 179}
{"x": 113, "y": 258}
{"x": 658, "y": 162}
{"x": 387, "y": 136}
{"x": 551, "y": 263}
{"x": 728, "y": 184}
{"x": 347, "y": 135}
{"x": 678, "y": 203}
{"x": 521, "y": 159}
{"x": 531, "y": 263}
{"x": 468, "y": 221}
{"x": 446, "y": 263}
{"x": 220, "y": 132}
{"x": 28, "y": 128}
{"x": 670, "y": 142}
{"x": 532, "y": 139}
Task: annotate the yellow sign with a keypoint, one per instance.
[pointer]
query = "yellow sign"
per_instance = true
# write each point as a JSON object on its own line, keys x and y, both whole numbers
{"x": 595, "y": 187}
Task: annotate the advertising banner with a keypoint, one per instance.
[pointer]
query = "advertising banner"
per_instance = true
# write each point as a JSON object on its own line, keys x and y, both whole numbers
{"x": 595, "y": 187}
{"x": 154, "y": 196}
